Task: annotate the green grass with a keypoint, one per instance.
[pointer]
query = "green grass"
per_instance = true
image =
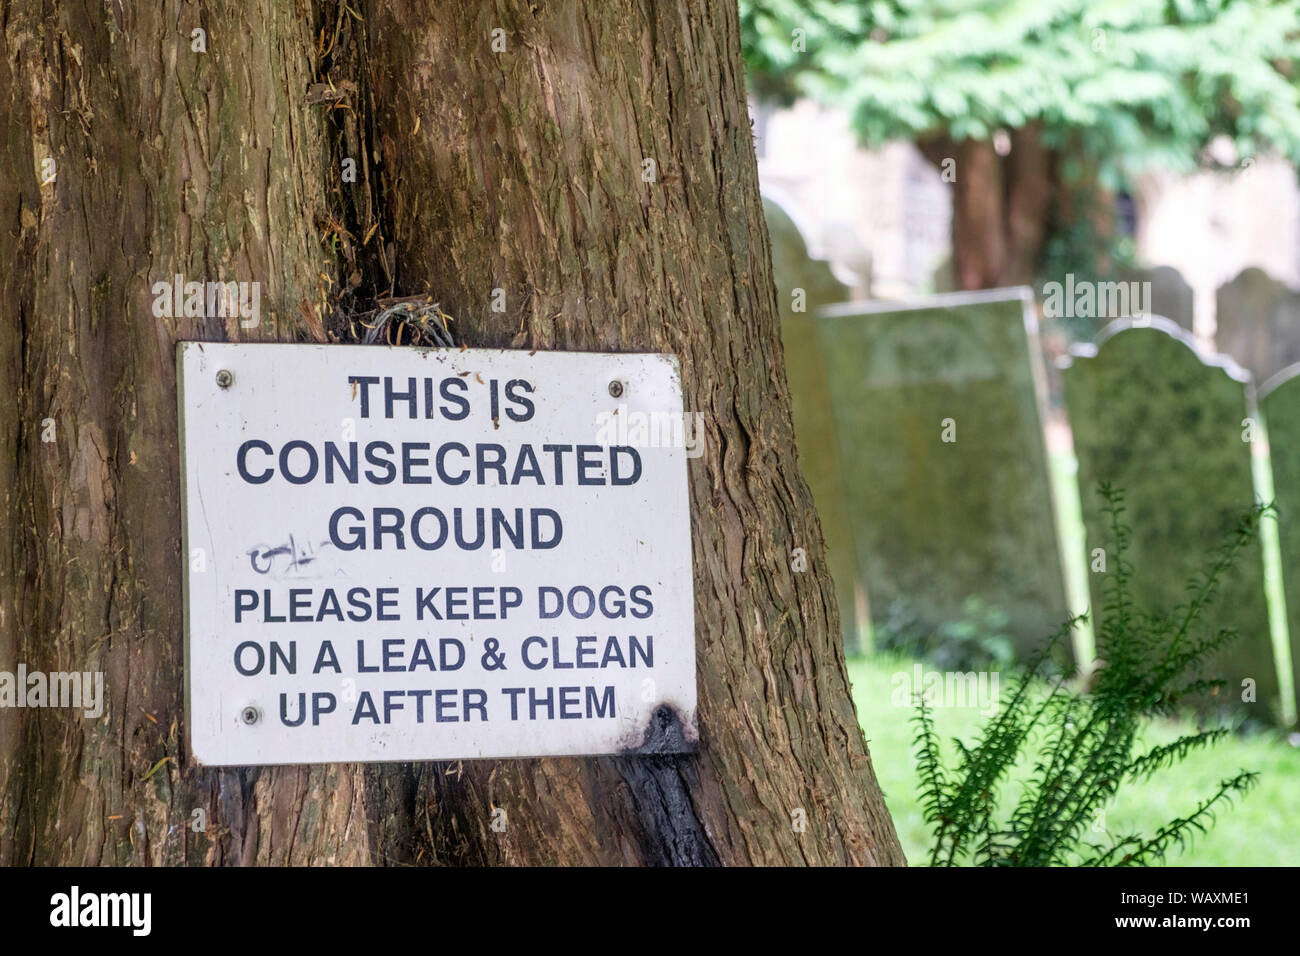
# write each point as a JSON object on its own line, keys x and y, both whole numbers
{"x": 1258, "y": 830}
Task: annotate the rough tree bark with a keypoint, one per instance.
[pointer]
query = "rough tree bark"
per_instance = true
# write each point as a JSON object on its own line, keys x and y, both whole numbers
{"x": 167, "y": 161}
{"x": 480, "y": 168}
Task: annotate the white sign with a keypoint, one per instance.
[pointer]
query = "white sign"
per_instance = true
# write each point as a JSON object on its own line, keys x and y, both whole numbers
{"x": 432, "y": 554}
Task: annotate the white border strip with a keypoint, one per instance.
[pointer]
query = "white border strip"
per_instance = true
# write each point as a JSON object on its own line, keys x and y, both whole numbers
{"x": 1161, "y": 324}
{"x": 1279, "y": 378}
{"x": 944, "y": 300}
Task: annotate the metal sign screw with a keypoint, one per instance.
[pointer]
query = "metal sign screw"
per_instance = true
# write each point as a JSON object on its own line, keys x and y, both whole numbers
{"x": 249, "y": 714}
{"x": 225, "y": 379}
{"x": 616, "y": 388}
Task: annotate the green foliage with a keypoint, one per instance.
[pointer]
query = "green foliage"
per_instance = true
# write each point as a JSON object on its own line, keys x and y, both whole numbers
{"x": 777, "y": 35}
{"x": 1078, "y": 244}
{"x": 1084, "y": 744}
{"x": 976, "y": 641}
{"x": 1119, "y": 84}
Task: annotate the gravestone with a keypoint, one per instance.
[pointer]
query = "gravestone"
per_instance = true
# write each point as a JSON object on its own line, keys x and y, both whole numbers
{"x": 1258, "y": 323}
{"x": 1280, "y": 405}
{"x": 810, "y": 401}
{"x": 1171, "y": 296}
{"x": 1163, "y": 423}
{"x": 939, "y": 521}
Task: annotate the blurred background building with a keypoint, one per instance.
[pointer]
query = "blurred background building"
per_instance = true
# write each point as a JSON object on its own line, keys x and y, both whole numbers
{"x": 883, "y": 217}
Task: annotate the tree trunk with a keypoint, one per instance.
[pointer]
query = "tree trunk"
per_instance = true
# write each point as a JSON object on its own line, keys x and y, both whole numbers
{"x": 1000, "y": 207}
{"x": 522, "y": 170}
{"x": 979, "y": 232}
{"x": 1029, "y": 199}
{"x": 167, "y": 161}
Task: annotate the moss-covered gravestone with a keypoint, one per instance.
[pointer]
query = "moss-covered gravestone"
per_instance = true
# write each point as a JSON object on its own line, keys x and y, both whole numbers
{"x": 938, "y": 417}
{"x": 1280, "y": 405}
{"x": 1163, "y": 423}
{"x": 1258, "y": 323}
{"x": 803, "y": 284}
